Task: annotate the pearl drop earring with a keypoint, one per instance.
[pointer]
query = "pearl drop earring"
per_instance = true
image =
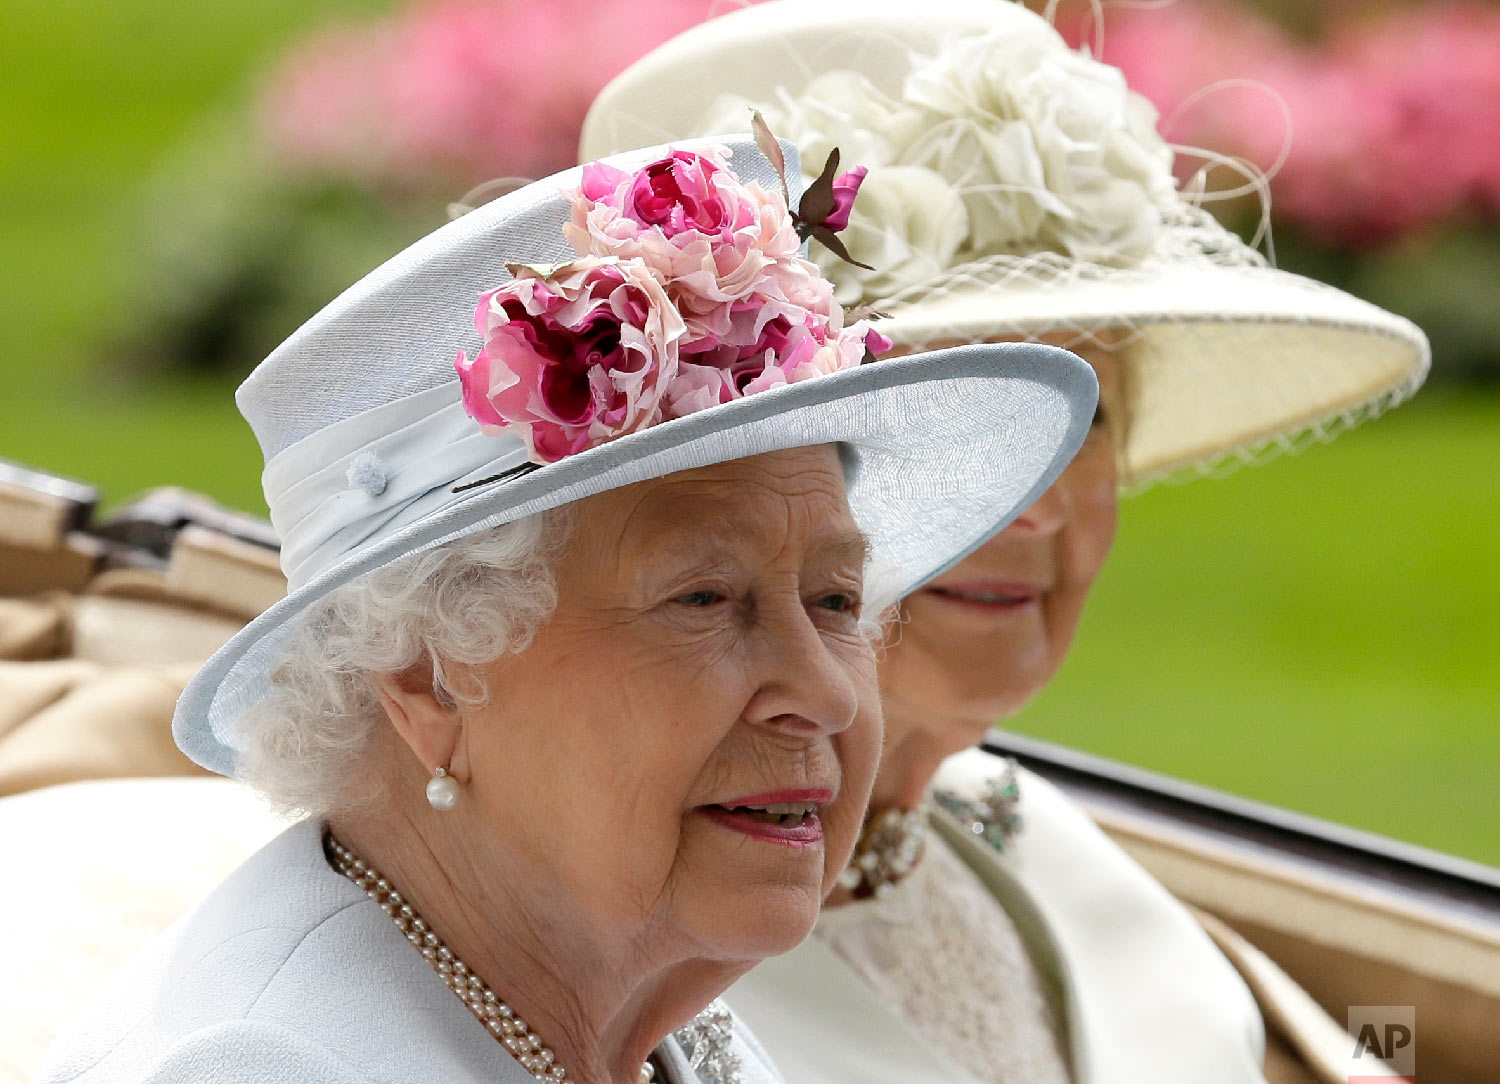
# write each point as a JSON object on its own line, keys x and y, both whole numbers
{"x": 442, "y": 790}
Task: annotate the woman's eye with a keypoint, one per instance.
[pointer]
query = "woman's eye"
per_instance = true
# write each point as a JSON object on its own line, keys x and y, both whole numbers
{"x": 839, "y": 603}
{"x": 699, "y": 598}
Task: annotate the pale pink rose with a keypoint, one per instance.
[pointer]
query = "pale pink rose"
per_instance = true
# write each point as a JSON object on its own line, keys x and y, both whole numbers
{"x": 688, "y": 293}
{"x": 809, "y": 358}
{"x": 685, "y": 192}
{"x": 755, "y": 340}
{"x": 748, "y": 232}
{"x": 783, "y": 350}
{"x": 573, "y": 359}
{"x": 685, "y": 199}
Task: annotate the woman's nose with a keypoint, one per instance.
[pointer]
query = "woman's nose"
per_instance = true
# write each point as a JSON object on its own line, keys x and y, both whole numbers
{"x": 806, "y": 686}
{"x": 1049, "y": 512}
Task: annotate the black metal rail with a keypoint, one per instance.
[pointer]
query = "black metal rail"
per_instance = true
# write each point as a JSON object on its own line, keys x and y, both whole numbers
{"x": 141, "y": 531}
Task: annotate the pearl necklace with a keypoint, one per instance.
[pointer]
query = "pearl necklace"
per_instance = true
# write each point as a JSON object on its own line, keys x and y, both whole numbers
{"x": 499, "y": 1018}
{"x": 892, "y": 843}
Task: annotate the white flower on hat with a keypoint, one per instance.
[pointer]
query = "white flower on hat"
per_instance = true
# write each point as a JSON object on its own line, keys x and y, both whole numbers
{"x": 1107, "y": 170}
{"x": 911, "y": 225}
{"x": 837, "y": 109}
{"x": 912, "y": 221}
{"x": 1002, "y": 143}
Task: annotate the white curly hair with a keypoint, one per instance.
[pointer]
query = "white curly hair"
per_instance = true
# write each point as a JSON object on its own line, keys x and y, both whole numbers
{"x": 464, "y": 603}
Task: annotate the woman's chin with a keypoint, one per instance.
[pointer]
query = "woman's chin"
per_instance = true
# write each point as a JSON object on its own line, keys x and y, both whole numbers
{"x": 960, "y": 686}
{"x": 750, "y": 898}
{"x": 762, "y": 921}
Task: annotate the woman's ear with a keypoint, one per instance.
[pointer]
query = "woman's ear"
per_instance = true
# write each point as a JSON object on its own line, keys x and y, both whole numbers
{"x": 431, "y": 729}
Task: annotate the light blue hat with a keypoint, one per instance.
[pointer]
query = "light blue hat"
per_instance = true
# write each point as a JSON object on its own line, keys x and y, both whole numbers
{"x": 368, "y": 447}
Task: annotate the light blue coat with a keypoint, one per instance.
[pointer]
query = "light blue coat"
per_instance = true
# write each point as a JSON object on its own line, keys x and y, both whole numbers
{"x": 289, "y": 972}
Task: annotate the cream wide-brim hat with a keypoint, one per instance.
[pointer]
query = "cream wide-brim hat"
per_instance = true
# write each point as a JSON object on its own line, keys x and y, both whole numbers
{"x": 1228, "y": 359}
{"x": 371, "y": 456}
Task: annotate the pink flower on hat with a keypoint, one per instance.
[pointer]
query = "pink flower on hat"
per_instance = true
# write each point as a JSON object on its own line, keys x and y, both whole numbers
{"x": 783, "y": 351}
{"x": 706, "y": 233}
{"x": 845, "y": 188}
{"x": 684, "y": 192}
{"x": 689, "y": 292}
{"x": 572, "y": 357}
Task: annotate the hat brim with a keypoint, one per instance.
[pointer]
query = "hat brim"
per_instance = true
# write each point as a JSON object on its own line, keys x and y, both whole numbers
{"x": 1224, "y": 362}
{"x": 940, "y": 451}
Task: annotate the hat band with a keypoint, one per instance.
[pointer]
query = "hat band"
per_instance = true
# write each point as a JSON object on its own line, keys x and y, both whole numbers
{"x": 363, "y": 479}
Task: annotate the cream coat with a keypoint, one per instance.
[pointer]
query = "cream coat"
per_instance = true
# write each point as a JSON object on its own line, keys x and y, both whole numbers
{"x": 290, "y": 973}
{"x": 1147, "y": 997}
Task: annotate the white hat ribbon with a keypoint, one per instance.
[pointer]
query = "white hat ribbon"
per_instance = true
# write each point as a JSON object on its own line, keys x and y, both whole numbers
{"x": 409, "y": 452}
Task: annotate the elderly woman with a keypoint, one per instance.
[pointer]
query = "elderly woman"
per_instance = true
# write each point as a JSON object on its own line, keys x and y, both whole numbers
{"x": 987, "y": 931}
{"x": 576, "y": 676}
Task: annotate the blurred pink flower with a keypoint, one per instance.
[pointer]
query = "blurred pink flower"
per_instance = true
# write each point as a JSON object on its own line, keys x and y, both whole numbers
{"x": 1431, "y": 80}
{"x": 454, "y": 92}
{"x": 1395, "y": 116}
{"x": 1172, "y": 53}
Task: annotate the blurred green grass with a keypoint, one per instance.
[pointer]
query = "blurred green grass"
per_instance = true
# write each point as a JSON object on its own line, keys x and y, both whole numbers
{"x": 1320, "y": 632}
{"x": 93, "y": 97}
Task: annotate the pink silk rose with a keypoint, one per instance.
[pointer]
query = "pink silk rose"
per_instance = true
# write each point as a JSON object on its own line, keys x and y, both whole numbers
{"x": 689, "y": 291}
{"x": 778, "y": 349}
{"x": 683, "y": 192}
{"x": 708, "y": 236}
{"x": 574, "y": 357}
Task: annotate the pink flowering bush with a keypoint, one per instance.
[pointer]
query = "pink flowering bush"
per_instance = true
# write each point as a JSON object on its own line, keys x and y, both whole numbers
{"x": 1409, "y": 121}
{"x": 449, "y": 93}
{"x": 1395, "y": 117}
{"x": 688, "y": 292}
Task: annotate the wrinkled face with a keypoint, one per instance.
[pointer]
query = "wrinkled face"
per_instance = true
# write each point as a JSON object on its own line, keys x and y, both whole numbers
{"x": 984, "y": 638}
{"x": 687, "y": 747}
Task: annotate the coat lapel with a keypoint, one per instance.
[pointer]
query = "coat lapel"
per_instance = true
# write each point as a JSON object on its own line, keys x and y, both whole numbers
{"x": 1147, "y": 997}
{"x": 1034, "y": 929}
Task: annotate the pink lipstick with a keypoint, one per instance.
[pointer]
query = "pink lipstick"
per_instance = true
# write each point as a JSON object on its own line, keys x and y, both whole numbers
{"x": 995, "y": 596}
{"x": 788, "y": 817}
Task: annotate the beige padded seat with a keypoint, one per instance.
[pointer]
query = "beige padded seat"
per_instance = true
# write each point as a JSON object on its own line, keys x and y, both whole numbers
{"x": 92, "y": 662}
{"x": 1306, "y": 938}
